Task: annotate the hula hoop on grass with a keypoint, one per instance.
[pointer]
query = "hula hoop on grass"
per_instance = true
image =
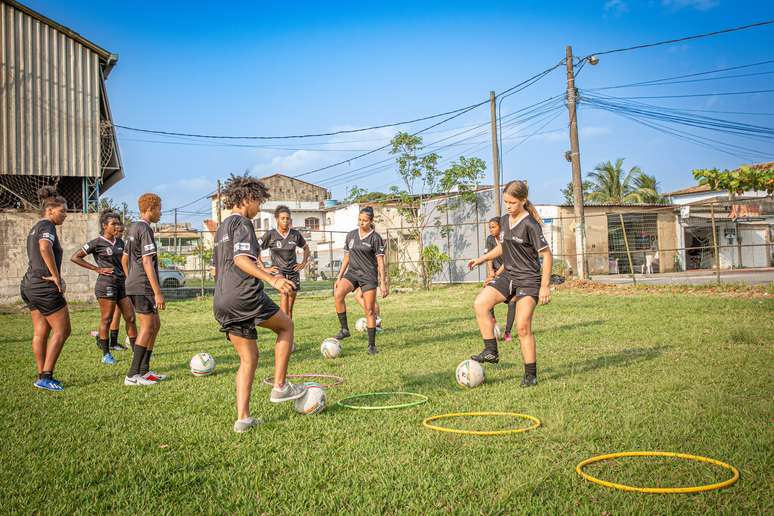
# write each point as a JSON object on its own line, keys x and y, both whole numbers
{"x": 535, "y": 423}
{"x": 337, "y": 380}
{"x": 421, "y": 398}
{"x": 661, "y": 490}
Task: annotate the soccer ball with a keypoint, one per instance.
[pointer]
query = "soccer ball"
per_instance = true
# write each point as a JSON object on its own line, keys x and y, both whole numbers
{"x": 470, "y": 374}
{"x": 313, "y": 400}
{"x": 361, "y": 325}
{"x": 330, "y": 348}
{"x": 202, "y": 364}
{"x": 128, "y": 342}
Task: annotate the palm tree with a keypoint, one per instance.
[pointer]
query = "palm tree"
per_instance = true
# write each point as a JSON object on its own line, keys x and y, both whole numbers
{"x": 646, "y": 189}
{"x": 611, "y": 185}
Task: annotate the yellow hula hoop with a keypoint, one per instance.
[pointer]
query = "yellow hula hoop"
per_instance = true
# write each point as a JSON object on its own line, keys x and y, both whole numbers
{"x": 661, "y": 490}
{"x": 535, "y": 423}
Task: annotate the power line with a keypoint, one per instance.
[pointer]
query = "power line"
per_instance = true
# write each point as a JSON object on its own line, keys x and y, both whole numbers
{"x": 662, "y": 82}
{"x": 699, "y": 95}
{"x": 686, "y": 38}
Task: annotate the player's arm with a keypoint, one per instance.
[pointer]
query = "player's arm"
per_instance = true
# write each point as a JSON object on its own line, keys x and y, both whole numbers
{"x": 125, "y": 264}
{"x": 78, "y": 259}
{"x": 545, "y": 277}
{"x": 46, "y": 248}
{"x": 491, "y": 255}
{"x": 150, "y": 272}
{"x": 250, "y": 266}
{"x": 305, "y": 259}
{"x": 383, "y": 285}
{"x": 343, "y": 268}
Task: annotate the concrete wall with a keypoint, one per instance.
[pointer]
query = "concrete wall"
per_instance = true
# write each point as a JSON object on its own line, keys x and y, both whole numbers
{"x": 78, "y": 229}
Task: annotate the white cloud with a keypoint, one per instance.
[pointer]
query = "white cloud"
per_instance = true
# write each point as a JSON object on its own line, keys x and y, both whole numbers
{"x": 699, "y": 5}
{"x": 616, "y": 7}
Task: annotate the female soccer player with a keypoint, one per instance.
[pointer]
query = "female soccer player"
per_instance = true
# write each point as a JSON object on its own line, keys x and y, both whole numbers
{"x": 42, "y": 288}
{"x": 240, "y": 302}
{"x": 521, "y": 245}
{"x": 492, "y": 268}
{"x": 141, "y": 264}
{"x": 363, "y": 268}
{"x": 282, "y": 244}
{"x": 109, "y": 289}
{"x": 115, "y": 323}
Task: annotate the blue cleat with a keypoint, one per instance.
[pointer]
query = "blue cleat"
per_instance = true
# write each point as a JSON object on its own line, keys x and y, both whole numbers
{"x": 49, "y": 385}
{"x": 108, "y": 359}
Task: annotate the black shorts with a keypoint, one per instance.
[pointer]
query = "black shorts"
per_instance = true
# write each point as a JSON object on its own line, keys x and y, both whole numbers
{"x": 43, "y": 297}
{"x": 510, "y": 290}
{"x": 145, "y": 305}
{"x": 361, "y": 283}
{"x": 246, "y": 327}
{"x": 293, "y": 276}
{"x": 112, "y": 290}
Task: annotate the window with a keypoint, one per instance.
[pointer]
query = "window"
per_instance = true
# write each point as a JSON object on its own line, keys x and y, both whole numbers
{"x": 312, "y": 223}
{"x": 257, "y": 223}
{"x": 266, "y": 223}
{"x": 641, "y": 237}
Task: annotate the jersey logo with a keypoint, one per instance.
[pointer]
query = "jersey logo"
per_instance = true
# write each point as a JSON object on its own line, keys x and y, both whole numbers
{"x": 279, "y": 245}
{"x": 149, "y": 247}
{"x": 85, "y": 247}
{"x": 47, "y": 236}
{"x": 518, "y": 240}
{"x": 365, "y": 243}
{"x": 109, "y": 251}
{"x": 242, "y": 246}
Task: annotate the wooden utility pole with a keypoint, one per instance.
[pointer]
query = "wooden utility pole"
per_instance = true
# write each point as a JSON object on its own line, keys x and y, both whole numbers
{"x": 175, "y": 230}
{"x": 495, "y": 154}
{"x": 219, "y": 217}
{"x": 577, "y": 183}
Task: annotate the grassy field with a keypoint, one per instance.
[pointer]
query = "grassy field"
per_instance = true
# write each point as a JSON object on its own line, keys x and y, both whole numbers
{"x": 619, "y": 370}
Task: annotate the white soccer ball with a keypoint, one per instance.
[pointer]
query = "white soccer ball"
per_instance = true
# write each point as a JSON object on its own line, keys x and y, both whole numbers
{"x": 330, "y": 348}
{"x": 470, "y": 374}
{"x": 202, "y": 364}
{"x": 128, "y": 342}
{"x": 313, "y": 400}
{"x": 361, "y": 325}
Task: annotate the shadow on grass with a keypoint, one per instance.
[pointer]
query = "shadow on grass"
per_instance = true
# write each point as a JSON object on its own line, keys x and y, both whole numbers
{"x": 623, "y": 358}
{"x": 573, "y": 326}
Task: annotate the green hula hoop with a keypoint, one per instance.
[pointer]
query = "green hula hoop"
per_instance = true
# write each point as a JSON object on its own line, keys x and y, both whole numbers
{"x": 421, "y": 398}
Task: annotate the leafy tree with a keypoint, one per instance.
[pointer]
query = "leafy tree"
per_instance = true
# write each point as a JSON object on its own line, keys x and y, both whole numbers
{"x": 758, "y": 178}
{"x": 107, "y": 203}
{"x": 610, "y": 184}
{"x": 422, "y": 179}
{"x": 569, "y": 196}
{"x": 357, "y": 194}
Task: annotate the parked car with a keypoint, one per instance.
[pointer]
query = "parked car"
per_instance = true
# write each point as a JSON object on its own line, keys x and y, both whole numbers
{"x": 171, "y": 278}
{"x": 325, "y": 272}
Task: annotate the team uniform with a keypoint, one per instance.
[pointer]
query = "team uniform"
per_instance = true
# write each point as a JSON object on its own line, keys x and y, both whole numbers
{"x": 141, "y": 242}
{"x": 240, "y": 302}
{"x": 521, "y": 244}
{"x": 490, "y": 244}
{"x": 363, "y": 270}
{"x": 36, "y": 292}
{"x": 108, "y": 254}
{"x": 283, "y": 252}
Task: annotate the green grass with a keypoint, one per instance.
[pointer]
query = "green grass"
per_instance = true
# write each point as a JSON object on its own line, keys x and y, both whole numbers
{"x": 640, "y": 371}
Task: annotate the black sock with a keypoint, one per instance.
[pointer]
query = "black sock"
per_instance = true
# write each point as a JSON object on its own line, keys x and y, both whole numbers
{"x": 47, "y": 375}
{"x": 343, "y": 320}
{"x": 113, "y": 337}
{"x": 137, "y": 357}
{"x": 531, "y": 369}
{"x": 511, "y": 317}
{"x": 133, "y": 342}
{"x": 371, "y": 337}
{"x": 490, "y": 345}
{"x": 104, "y": 346}
{"x": 145, "y": 364}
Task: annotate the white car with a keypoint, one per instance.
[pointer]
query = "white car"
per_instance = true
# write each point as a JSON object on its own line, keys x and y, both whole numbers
{"x": 171, "y": 278}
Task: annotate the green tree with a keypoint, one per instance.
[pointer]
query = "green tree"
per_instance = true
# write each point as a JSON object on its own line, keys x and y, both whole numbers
{"x": 569, "y": 196}
{"x": 610, "y": 184}
{"x": 759, "y": 178}
{"x": 422, "y": 179}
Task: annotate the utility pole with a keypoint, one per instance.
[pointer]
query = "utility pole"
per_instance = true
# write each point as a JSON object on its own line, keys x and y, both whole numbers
{"x": 175, "y": 230}
{"x": 495, "y": 154}
{"x": 219, "y": 218}
{"x": 577, "y": 184}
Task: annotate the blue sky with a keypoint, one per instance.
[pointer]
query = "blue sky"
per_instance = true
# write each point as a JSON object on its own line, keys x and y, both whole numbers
{"x": 288, "y": 68}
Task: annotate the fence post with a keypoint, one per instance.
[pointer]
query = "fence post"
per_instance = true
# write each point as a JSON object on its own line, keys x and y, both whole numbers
{"x": 201, "y": 260}
{"x": 330, "y": 259}
{"x": 715, "y": 243}
{"x": 478, "y": 239}
{"x": 448, "y": 242}
{"x": 628, "y": 253}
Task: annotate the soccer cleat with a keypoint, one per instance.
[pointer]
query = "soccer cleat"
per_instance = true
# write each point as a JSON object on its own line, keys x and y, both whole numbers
{"x": 48, "y": 385}
{"x": 287, "y": 392}
{"x": 54, "y": 380}
{"x": 94, "y": 333}
{"x": 508, "y": 337}
{"x": 528, "y": 380}
{"x": 243, "y": 425}
{"x": 372, "y": 350}
{"x": 108, "y": 359}
{"x": 343, "y": 334}
{"x": 487, "y": 356}
{"x": 158, "y": 376}
{"x": 137, "y": 380}
{"x": 118, "y": 347}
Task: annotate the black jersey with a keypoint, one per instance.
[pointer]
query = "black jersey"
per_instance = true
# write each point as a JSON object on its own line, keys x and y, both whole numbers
{"x": 237, "y": 294}
{"x": 521, "y": 244}
{"x": 43, "y": 230}
{"x": 140, "y": 241}
{"x": 283, "y": 249}
{"x": 362, "y": 254}
{"x": 491, "y": 243}
{"x": 107, "y": 253}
